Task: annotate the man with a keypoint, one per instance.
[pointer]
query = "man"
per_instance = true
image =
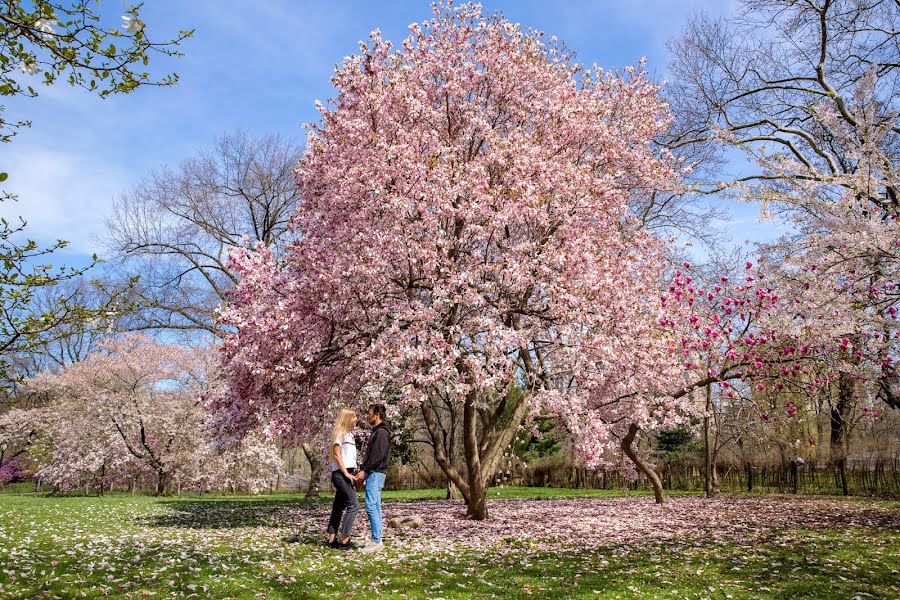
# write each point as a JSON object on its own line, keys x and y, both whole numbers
{"x": 373, "y": 471}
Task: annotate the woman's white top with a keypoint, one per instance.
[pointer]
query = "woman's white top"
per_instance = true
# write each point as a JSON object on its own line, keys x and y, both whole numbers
{"x": 348, "y": 452}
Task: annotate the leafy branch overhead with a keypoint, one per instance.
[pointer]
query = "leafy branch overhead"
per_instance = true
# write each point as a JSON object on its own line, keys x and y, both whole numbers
{"x": 42, "y": 42}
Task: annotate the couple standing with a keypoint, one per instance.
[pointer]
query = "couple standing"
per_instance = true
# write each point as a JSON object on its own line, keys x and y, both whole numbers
{"x": 345, "y": 476}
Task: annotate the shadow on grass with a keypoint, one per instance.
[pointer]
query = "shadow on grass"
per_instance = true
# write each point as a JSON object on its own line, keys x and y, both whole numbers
{"x": 227, "y": 513}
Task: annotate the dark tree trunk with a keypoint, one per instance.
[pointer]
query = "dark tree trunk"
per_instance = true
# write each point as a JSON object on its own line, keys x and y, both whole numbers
{"x": 452, "y": 490}
{"x": 748, "y": 468}
{"x": 162, "y": 482}
{"x": 840, "y": 413}
{"x": 709, "y": 474}
{"x": 315, "y": 471}
{"x": 642, "y": 466}
{"x": 715, "y": 470}
{"x": 455, "y": 479}
{"x": 476, "y": 508}
{"x": 483, "y": 446}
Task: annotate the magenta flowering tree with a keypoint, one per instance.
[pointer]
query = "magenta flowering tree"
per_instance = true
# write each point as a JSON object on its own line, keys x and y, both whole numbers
{"x": 847, "y": 260}
{"x": 750, "y": 331}
{"x": 817, "y": 316}
{"x": 465, "y": 233}
{"x": 807, "y": 91}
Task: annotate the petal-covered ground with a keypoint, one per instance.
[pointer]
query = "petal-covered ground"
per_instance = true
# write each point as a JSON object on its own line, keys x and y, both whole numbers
{"x": 616, "y": 547}
{"x": 596, "y": 522}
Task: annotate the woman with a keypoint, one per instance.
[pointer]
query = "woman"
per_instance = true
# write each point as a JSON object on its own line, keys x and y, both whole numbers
{"x": 342, "y": 452}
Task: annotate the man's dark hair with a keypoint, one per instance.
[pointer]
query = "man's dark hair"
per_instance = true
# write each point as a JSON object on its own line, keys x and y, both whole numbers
{"x": 378, "y": 409}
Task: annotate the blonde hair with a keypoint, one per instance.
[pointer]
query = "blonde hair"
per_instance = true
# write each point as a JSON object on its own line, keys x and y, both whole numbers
{"x": 342, "y": 424}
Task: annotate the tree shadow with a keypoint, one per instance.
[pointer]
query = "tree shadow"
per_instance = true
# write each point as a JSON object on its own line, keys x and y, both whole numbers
{"x": 226, "y": 513}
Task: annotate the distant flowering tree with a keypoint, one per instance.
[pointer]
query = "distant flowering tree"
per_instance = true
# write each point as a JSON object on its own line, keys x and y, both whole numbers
{"x": 134, "y": 407}
{"x": 132, "y": 401}
{"x": 816, "y": 315}
{"x": 465, "y": 233}
{"x": 734, "y": 332}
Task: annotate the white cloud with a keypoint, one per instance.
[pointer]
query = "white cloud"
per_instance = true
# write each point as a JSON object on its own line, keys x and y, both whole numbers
{"x": 61, "y": 195}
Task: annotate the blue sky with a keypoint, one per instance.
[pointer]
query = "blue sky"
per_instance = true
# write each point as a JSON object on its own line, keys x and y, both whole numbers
{"x": 261, "y": 66}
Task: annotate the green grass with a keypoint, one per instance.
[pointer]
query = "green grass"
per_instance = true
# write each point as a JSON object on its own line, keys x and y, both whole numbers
{"x": 220, "y": 547}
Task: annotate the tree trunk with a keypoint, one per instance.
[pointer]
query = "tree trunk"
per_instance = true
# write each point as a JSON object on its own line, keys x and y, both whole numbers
{"x": 315, "y": 471}
{"x": 162, "y": 482}
{"x": 840, "y": 413}
{"x": 452, "y": 490}
{"x": 748, "y": 468}
{"x": 483, "y": 447}
{"x": 641, "y": 465}
{"x": 476, "y": 508}
{"x": 715, "y": 472}
{"x": 453, "y": 475}
{"x": 708, "y": 465}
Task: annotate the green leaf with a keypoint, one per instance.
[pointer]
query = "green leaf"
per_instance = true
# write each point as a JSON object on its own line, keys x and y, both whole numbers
{"x": 4, "y": 177}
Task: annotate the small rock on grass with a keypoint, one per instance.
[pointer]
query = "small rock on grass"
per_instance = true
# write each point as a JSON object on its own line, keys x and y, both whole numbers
{"x": 414, "y": 521}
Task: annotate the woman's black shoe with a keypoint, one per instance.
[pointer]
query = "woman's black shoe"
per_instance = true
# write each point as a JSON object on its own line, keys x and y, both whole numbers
{"x": 348, "y": 546}
{"x": 334, "y": 543}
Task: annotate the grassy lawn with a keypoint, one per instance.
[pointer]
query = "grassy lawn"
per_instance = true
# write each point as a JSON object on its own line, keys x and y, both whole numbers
{"x": 539, "y": 543}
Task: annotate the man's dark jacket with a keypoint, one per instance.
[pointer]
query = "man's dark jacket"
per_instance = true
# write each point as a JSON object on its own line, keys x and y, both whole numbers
{"x": 378, "y": 451}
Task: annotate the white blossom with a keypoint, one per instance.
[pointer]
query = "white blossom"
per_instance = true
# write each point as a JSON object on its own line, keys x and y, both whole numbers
{"x": 131, "y": 24}
{"x": 29, "y": 68}
{"x": 45, "y": 27}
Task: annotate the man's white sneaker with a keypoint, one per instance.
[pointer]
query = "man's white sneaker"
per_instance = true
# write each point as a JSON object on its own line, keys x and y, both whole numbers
{"x": 371, "y": 548}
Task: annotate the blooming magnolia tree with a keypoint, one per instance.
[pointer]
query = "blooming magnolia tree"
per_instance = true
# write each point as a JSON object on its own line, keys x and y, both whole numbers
{"x": 133, "y": 401}
{"x": 133, "y": 408}
{"x": 18, "y": 430}
{"x": 465, "y": 232}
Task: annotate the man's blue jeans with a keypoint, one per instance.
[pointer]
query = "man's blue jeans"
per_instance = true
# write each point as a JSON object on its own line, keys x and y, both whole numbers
{"x": 374, "y": 485}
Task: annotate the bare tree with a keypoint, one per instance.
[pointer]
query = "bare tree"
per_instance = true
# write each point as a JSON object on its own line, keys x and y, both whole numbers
{"x": 175, "y": 228}
{"x": 761, "y": 81}
{"x": 684, "y": 210}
